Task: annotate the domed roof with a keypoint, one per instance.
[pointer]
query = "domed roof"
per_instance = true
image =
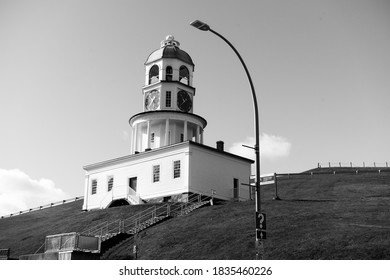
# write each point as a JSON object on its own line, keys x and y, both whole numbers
{"x": 169, "y": 49}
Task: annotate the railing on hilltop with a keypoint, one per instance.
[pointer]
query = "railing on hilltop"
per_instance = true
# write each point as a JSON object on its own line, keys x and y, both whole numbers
{"x": 44, "y": 206}
{"x": 350, "y": 164}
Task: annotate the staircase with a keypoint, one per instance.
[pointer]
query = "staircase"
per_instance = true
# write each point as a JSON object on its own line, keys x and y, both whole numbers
{"x": 119, "y": 230}
{"x": 146, "y": 224}
{"x": 189, "y": 208}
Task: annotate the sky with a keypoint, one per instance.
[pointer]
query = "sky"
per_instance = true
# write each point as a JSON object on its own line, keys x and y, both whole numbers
{"x": 71, "y": 74}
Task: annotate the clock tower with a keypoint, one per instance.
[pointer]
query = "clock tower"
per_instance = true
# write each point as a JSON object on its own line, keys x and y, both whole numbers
{"x": 168, "y": 101}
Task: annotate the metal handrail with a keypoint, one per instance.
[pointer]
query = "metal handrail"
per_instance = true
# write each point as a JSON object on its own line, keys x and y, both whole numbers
{"x": 150, "y": 214}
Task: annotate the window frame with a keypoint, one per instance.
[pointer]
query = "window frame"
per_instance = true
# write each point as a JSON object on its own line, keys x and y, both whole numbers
{"x": 176, "y": 169}
{"x": 152, "y": 138}
{"x": 94, "y": 185}
{"x": 169, "y": 73}
{"x": 152, "y": 71}
{"x": 110, "y": 185}
{"x": 185, "y": 76}
{"x": 156, "y": 173}
{"x": 168, "y": 99}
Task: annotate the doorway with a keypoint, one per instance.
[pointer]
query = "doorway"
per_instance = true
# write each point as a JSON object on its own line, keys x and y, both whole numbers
{"x": 133, "y": 183}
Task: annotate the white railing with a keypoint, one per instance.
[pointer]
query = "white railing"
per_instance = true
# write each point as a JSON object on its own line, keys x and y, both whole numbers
{"x": 120, "y": 192}
{"x": 350, "y": 164}
{"x": 133, "y": 196}
{"x": 57, "y": 203}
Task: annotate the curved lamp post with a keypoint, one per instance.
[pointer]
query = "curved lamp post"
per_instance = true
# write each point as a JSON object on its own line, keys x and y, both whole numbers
{"x": 205, "y": 27}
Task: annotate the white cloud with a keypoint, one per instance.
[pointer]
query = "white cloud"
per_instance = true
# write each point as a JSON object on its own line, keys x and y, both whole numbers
{"x": 274, "y": 147}
{"x": 19, "y": 192}
{"x": 271, "y": 147}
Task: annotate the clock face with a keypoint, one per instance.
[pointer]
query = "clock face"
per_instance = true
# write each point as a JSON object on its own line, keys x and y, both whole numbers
{"x": 152, "y": 100}
{"x": 184, "y": 101}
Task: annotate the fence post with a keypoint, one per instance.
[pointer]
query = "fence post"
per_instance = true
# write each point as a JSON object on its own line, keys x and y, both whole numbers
{"x": 340, "y": 164}
{"x": 276, "y": 187}
{"x": 351, "y": 164}
{"x": 374, "y": 164}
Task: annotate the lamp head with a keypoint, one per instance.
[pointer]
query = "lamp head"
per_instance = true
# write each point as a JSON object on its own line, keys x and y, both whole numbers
{"x": 200, "y": 25}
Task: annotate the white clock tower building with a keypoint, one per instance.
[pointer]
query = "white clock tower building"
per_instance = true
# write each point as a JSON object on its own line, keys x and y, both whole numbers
{"x": 168, "y": 101}
{"x": 168, "y": 159}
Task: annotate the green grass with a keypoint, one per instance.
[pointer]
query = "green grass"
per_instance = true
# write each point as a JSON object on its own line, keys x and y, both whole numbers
{"x": 344, "y": 216}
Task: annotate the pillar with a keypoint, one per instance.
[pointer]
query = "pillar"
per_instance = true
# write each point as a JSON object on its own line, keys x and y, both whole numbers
{"x": 167, "y": 132}
{"x": 185, "y": 131}
{"x": 197, "y": 134}
{"x": 148, "y": 135}
{"x": 86, "y": 192}
{"x": 134, "y": 139}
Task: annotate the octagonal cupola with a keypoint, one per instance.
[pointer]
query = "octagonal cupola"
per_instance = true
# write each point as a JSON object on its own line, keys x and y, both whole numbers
{"x": 168, "y": 78}
{"x": 168, "y": 100}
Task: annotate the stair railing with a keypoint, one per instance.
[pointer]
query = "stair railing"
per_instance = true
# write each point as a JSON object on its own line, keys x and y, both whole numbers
{"x": 105, "y": 228}
{"x": 146, "y": 217}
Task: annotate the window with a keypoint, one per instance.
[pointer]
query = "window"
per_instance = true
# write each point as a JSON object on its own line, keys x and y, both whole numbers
{"x": 184, "y": 75}
{"x": 181, "y": 137}
{"x": 176, "y": 169}
{"x": 152, "y": 138}
{"x": 156, "y": 173}
{"x": 153, "y": 74}
{"x": 94, "y": 186}
{"x": 168, "y": 99}
{"x": 110, "y": 183}
{"x": 169, "y": 73}
{"x": 133, "y": 183}
{"x": 236, "y": 189}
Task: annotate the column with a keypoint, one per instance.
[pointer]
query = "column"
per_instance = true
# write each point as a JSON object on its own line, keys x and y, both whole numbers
{"x": 86, "y": 192}
{"x": 197, "y": 134}
{"x": 148, "y": 135}
{"x": 201, "y": 136}
{"x": 134, "y": 139}
{"x": 185, "y": 131}
{"x": 167, "y": 132}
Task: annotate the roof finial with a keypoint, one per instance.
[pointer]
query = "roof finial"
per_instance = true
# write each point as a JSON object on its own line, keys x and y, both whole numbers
{"x": 170, "y": 41}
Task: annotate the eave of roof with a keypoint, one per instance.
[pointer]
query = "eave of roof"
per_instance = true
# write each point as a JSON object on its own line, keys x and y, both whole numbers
{"x": 153, "y": 151}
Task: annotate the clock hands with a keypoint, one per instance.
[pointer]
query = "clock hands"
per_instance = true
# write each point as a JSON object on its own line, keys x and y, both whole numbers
{"x": 152, "y": 101}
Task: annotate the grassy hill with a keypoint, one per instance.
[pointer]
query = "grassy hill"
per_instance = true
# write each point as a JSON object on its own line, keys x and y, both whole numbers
{"x": 342, "y": 216}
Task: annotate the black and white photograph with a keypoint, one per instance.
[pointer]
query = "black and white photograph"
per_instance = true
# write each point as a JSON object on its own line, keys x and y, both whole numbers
{"x": 195, "y": 139}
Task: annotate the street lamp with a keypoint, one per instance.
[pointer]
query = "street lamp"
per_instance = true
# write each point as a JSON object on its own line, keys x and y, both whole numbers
{"x": 205, "y": 27}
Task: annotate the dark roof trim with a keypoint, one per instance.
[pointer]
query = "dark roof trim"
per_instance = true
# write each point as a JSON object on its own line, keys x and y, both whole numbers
{"x": 170, "y": 52}
{"x": 172, "y": 112}
{"x": 221, "y": 152}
